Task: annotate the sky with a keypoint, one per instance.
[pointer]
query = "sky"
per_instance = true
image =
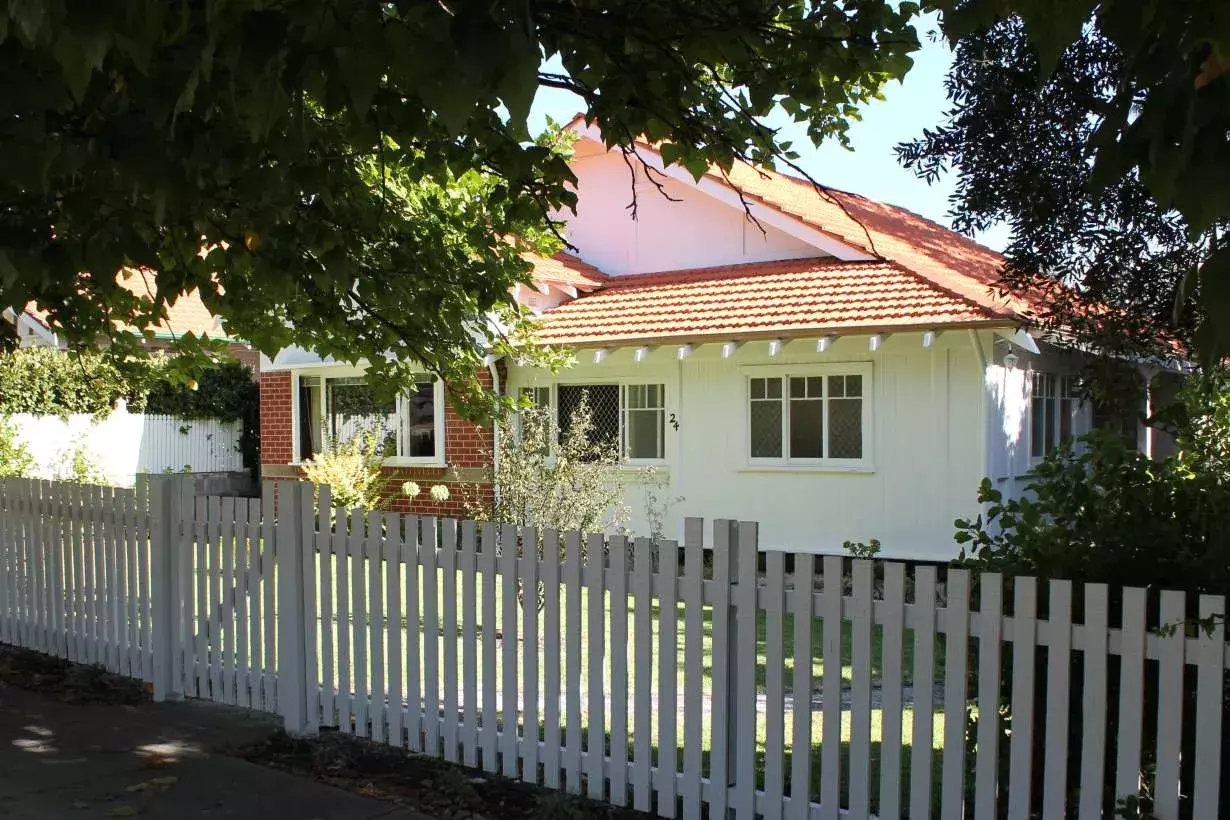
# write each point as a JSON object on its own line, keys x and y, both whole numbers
{"x": 871, "y": 169}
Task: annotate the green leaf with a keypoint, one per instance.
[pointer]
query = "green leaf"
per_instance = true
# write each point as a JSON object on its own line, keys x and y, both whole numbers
{"x": 1213, "y": 336}
{"x": 76, "y": 64}
{"x": 29, "y": 15}
{"x": 520, "y": 82}
{"x": 8, "y": 271}
{"x": 1053, "y": 25}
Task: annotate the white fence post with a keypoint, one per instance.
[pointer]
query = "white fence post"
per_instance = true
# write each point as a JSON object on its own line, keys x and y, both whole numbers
{"x": 292, "y": 660}
{"x": 165, "y": 523}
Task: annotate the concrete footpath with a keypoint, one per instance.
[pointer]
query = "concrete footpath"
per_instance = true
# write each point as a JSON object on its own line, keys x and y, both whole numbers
{"x": 156, "y": 761}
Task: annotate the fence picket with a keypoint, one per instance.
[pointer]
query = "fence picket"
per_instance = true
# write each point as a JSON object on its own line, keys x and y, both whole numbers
{"x": 431, "y": 637}
{"x": 745, "y": 660}
{"x": 115, "y": 592}
{"x": 8, "y": 514}
{"x": 268, "y": 565}
{"x": 720, "y": 727}
{"x": 990, "y": 643}
{"x": 1093, "y": 713}
{"x": 1058, "y": 669}
{"x": 508, "y": 643}
{"x": 448, "y": 600}
{"x": 94, "y": 574}
{"x": 642, "y": 674}
{"x": 860, "y": 690}
{"x": 775, "y": 698}
{"x": 692, "y": 593}
{"x": 469, "y": 631}
{"x": 552, "y": 637}
{"x": 394, "y": 547}
{"x": 572, "y": 661}
{"x": 326, "y": 543}
{"x": 201, "y": 605}
{"x": 124, "y": 569}
{"x": 342, "y": 536}
{"x": 892, "y": 642}
{"x": 1169, "y": 703}
{"x": 595, "y": 746}
{"x": 226, "y": 637}
{"x": 376, "y": 623}
{"x": 38, "y": 586}
{"x": 360, "y": 532}
{"x": 529, "y": 642}
{"x": 618, "y": 586}
{"x": 956, "y": 646}
{"x": 668, "y": 663}
{"x": 1210, "y": 681}
{"x": 924, "y": 684}
{"x": 830, "y": 744}
{"x": 802, "y": 610}
{"x": 243, "y": 557}
{"x": 1024, "y": 653}
{"x": 414, "y": 688}
{"x": 487, "y": 732}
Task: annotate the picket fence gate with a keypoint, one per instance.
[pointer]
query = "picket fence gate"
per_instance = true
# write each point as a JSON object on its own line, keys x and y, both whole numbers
{"x": 612, "y": 668}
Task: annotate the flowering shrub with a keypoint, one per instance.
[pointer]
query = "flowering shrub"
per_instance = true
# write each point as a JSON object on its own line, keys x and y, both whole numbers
{"x": 580, "y": 487}
{"x": 351, "y": 469}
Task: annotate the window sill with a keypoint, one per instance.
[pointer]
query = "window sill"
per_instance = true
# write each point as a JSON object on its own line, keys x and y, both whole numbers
{"x": 395, "y": 462}
{"x": 861, "y": 469}
{"x": 415, "y": 462}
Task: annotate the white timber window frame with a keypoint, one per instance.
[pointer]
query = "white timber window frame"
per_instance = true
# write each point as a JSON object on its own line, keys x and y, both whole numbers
{"x": 1055, "y": 412}
{"x": 643, "y": 402}
{"x": 807, "y": 392}
{"x": 405, "y": 410}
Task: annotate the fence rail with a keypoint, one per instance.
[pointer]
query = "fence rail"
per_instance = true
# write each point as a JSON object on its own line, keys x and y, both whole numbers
{"x": 702, "y": 678}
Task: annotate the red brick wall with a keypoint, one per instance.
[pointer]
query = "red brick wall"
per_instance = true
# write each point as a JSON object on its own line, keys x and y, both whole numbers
{"x": 466, "y": 446}
{"x": 277, "y": 430}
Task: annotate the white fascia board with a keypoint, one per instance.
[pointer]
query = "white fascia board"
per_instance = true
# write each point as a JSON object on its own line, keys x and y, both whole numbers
{"x": 1020, "y": 338}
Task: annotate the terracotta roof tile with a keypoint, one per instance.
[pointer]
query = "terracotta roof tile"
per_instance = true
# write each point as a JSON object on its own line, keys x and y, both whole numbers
{"x": 566, "y": 269}
{"x": 790, "y": 297}
{"x": 188, "y": 314}
{"x": 943, "y": 256}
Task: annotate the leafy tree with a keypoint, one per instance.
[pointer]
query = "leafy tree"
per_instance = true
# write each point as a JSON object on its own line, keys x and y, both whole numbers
{"x": 358, "y": 178}
{"x": 1097, "y": 130}
{"x": 15, "y": 458}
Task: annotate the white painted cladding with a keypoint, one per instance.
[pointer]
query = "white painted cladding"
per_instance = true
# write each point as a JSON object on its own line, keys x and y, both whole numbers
{"x": 122, "y": 445}
{"x": 689, "y": 230}
{"x": 926, "y": 444}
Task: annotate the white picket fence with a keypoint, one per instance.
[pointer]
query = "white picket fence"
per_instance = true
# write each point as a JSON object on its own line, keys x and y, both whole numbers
{"x": 707, "y": 688}
{"x": 122, "y": 445}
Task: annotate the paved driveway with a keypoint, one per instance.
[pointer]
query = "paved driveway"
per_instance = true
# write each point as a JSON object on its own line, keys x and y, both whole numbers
{"x": 153, "y": 761}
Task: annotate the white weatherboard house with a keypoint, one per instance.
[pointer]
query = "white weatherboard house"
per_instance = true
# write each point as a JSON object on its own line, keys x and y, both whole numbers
{"x": 832, "y": 367}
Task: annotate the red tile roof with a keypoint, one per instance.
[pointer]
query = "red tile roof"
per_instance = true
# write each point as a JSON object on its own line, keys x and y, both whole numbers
{"x": 789, "y": 297}
{"x": 939, "y": 254}
{"x": 566, "y": 269}
{"x": 187, "y": 315}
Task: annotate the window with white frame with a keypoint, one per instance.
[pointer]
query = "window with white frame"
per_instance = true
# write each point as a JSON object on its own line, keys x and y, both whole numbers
{"x": 338, "y": 408}
{"x": 632, "y": 416}
{"x": 1053, "y": 409}
{"x": 809, "y": 417}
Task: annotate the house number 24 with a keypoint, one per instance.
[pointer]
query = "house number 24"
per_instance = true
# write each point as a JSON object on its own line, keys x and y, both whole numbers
{"x": 674, "y": 422}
